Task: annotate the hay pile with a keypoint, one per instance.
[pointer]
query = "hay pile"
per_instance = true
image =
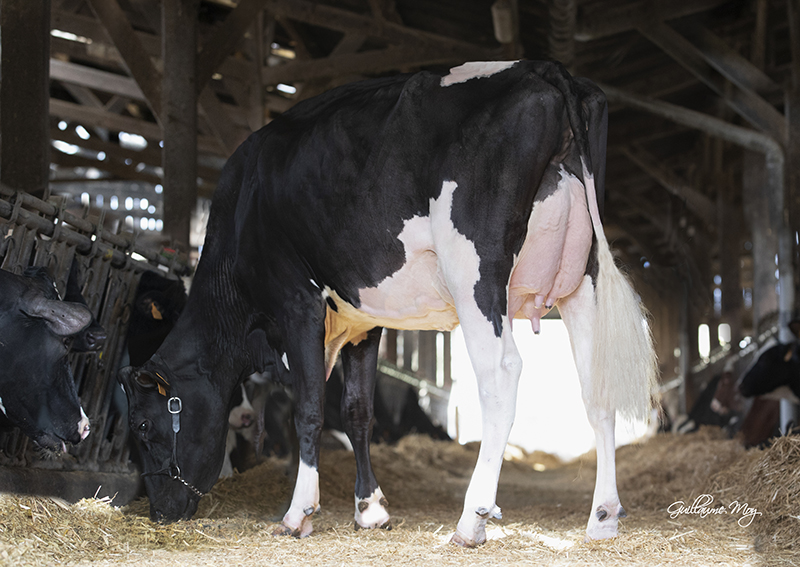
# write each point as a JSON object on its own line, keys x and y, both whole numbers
{"x": 769, "y": 481}
{"x": 668, "y": 468}
{"x": 424, "y": 480}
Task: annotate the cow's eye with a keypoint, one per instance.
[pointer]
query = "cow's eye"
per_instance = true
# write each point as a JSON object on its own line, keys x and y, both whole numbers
{"x": 144, "y": 427}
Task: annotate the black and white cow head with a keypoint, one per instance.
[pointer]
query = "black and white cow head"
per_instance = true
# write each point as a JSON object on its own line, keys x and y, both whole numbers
{"x": 177, "y": 426}
{"x": 776, "y": 367}
{"x": 37, "y": 390}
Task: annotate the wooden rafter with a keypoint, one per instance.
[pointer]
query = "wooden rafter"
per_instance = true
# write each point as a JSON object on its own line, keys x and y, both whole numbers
{"x": 98, "y": 118}
{"x": 375, "y": 61}
{"x": 603, "y": 19}
{"x": 130, "y": 48}
{"x": 346, "y": 21}
{"x": 700, "y": 205}
{"x": 225, "y": 39}
{"x": 746, "y": 103}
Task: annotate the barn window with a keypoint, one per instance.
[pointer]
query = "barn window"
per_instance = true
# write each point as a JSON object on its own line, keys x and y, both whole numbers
{"x": 704, "y": 341}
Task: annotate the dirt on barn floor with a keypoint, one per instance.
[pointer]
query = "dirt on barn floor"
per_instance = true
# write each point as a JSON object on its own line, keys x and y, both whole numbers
{"x": 545, "y": 507}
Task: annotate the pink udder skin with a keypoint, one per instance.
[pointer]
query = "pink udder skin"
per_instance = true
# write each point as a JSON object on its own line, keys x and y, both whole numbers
{"x": 553, "y": 258}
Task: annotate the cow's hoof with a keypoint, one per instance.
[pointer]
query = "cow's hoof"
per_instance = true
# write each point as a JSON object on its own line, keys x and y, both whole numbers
{"x": 463, "y": 541}
{"x": 371, "y": 512}
{"x": 303, "y": 530}
{"x": 604, "y": 522}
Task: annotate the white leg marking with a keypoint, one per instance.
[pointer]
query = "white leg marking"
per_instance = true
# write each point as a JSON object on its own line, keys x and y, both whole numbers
{"x": 230, "y": 445}
{"x": 371, "y": 511}
{"x": 285, "y": 361}
{"x": 474, "y": 70}
{"x": 578, "y": 312}
{"x": 305, "y": 501}
{"x": 496, "y": 362}
{"x": 84, "y": 428}
{"x": 3, "y": 408}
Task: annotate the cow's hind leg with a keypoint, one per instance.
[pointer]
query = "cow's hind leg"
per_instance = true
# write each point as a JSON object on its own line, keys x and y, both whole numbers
{"x": 579, "y": 315}
{"x": 360, "y": 362}
{"x": 497, "y": 366}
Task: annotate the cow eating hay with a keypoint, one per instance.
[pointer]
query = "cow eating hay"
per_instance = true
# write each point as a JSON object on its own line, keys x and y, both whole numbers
{"x": 413, "y": 202}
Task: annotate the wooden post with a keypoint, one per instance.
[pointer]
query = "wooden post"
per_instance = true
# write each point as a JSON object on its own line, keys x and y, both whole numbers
{"x": 447, "y": 362}
{"x": 179, "y": 120}
{"x": 24, "y": 98}
{"x": 763, "y": 237}
{"x": 391, "y": 345}
{"x": 409, "y": 346}
{"x": 427, "y": 356}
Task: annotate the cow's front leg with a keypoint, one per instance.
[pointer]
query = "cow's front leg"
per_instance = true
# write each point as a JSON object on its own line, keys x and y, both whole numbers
{"x": 359, "y": 363}
{"x": 306, "y": 364}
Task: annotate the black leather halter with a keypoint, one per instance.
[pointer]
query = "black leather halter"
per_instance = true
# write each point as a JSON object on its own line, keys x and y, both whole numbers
{"x": 175, "y": 406}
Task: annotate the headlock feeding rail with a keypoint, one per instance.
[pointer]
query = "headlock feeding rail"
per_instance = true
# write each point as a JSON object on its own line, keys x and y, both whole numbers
{"x": 39, "y": 233}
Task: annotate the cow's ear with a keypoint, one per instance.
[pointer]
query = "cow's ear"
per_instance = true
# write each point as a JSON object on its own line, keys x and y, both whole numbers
{"x": 148, "y": 381}
{"x": 62, "y": 317}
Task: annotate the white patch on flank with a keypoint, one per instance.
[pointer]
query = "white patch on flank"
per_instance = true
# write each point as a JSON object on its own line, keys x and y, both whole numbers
{"x": 474, "y": 70}
{"x": 285, "y": 361}
{"x": 417, "y": 295}
{"x": 2, "y": 407}
{"x": 375, "y": 515}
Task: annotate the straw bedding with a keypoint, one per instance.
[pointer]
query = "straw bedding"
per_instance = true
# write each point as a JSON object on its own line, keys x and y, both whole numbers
{"x": 544, "y": 513}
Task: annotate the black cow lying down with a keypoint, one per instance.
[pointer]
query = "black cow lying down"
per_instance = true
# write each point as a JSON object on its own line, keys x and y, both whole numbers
{"x": 37, "y": 390}
{"x": 414, "y": 202}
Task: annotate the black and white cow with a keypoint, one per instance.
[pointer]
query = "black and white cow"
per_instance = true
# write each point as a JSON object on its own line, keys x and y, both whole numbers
{"x": 37, "y": 390}
{"x": 413, "y": 202}
{"x": 93, "y": 337}
{"x": 775, "y": 373}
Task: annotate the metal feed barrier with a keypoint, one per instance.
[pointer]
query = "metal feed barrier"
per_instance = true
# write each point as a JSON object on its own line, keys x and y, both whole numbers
{"x": 39, "y": 233}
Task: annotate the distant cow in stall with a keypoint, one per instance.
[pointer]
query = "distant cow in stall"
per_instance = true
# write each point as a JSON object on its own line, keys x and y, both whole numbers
{"x": 718, "y": 405}
{"x": 93, "y": 336}
{"x": 775, "y": 375}
{"x": 776, "y": 372}
{"x": 390, "y": 426}
{"x": 158, "y": 303}
{"x": 37, "y": 389}
{"x": 414, "y": 202}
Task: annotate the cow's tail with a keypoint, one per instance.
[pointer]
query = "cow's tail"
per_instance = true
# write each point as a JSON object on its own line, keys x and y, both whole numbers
{"x": 624, "y": 364}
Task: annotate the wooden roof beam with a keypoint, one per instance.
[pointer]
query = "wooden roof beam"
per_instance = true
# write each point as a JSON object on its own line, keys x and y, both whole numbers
{"x": 602, "y": 19}
{"x": 98, "y": 118}
{"x": 345, "y": 21}
{"x": 130, "y": 48}
{"x": 225, "y": 39}
{"x": 376, "y": 61}
{"x": 745, "y": 102}
{"x": 700, "y": 205}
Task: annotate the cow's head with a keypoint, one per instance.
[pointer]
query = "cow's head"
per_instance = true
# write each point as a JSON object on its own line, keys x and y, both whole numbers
{"x": 775, "y": 367}
{"x": 180, "y": 424}
{"x": 36, "y": 385}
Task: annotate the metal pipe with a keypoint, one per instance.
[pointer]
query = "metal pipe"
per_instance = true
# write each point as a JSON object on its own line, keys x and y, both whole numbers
{"x": 751, "y": 140}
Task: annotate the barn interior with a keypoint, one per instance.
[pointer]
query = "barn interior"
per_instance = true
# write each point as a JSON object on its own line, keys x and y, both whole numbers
{"x": 117, "y": 116}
